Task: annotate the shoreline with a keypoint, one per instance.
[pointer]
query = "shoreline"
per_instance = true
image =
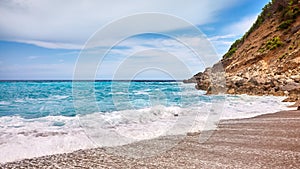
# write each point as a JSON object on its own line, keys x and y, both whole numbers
{"x": 268, "y": 140}
{"x": 50, "y": 139}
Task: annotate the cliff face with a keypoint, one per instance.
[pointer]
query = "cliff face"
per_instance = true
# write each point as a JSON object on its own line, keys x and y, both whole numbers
{"x": 266, "y": 60}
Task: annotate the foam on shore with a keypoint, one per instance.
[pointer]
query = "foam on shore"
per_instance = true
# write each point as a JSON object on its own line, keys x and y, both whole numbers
{"x": 60, "y": 134}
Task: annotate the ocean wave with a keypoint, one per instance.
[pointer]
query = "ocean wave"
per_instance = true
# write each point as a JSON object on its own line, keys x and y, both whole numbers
{"x": 60, "y": 134}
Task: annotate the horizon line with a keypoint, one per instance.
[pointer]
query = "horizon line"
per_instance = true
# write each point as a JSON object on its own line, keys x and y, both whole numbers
{"x": 96, "y": 80}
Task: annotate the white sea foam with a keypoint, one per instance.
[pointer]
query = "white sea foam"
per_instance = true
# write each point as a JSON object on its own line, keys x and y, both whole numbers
{"x": 4, "y": 103}
{"x": 141, "y": 93}
{"x": 20, "y": 100}
{"x": 244, "y": 106}
{"x": 58, "y": 97}
{"x": 59, "y": 134}
{"x": 37, "y": 137}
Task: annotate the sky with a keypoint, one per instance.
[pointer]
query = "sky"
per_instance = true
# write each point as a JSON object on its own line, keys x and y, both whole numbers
{"x": 46, "y": 39}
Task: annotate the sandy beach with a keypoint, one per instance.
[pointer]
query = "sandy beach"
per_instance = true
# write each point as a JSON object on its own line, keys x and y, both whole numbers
{"x": 266, "y": 141}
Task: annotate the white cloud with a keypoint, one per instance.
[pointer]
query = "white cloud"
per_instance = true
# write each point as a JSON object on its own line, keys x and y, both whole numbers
{"x": 68, "y": 53}
{"x": 156, "y": 52}
{"x": 32, "y": 57}
{"x": 242, "y": 26}
{"x": 219, "y": 37}
{"x": 51, "y": 45}
{"x": 161, "y": 61}
{"x": 66, "y": 24}
{"x": 231, "y": 33}
{"x": 222, "y": 45}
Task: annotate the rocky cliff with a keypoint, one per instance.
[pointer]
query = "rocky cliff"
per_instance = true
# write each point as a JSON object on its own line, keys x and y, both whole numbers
{"x": 265, "y": 61}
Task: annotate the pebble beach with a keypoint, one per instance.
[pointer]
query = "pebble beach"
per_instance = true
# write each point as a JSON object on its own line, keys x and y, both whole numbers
{"x": 265, "y": 141}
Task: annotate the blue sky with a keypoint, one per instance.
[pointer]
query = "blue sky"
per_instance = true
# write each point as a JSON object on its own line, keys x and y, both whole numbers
{"x": 43, "y": 39}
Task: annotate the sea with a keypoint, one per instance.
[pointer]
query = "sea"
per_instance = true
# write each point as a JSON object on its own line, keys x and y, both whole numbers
{"x": 48, "y": 117}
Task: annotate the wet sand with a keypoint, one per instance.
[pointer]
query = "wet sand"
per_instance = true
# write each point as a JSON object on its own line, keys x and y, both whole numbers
{"x": 266, "y": 141}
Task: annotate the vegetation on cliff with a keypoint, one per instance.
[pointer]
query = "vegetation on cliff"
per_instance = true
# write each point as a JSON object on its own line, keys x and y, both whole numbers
{"x": 265, "y": 61}
{"x": 289, "y": 13}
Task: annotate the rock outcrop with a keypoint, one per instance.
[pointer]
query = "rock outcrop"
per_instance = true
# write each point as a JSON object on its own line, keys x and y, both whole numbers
{"x": 265, "y": 61}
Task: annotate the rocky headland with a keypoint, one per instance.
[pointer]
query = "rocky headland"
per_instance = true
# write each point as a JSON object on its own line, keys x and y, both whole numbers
{"x": 265, "y": 61}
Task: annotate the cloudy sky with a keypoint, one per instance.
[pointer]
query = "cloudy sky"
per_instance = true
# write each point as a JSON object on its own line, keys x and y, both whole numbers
{"x": 44, "y": 39}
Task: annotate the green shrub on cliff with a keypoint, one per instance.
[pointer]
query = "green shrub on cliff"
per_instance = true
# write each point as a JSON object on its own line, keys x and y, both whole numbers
{"x": 260, "y": 19}
{"x": 274, "y": 43}
{"x": 230, "y": 52}
{"x": 271, "y": 44}
{"x": 289, "y": 15}
{"x": 287, "y": 10}
{"x": 285, "y": 24}
{"x": 282, "y": 56}
{"x": 233, "y": 48}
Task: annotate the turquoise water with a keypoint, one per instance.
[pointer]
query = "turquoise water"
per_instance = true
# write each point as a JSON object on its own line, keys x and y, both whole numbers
{"x": 47, "y": 117}
{"x": 41, "y": 99}
{"x": 36, "y": 99}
